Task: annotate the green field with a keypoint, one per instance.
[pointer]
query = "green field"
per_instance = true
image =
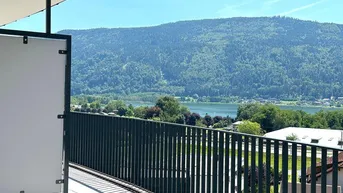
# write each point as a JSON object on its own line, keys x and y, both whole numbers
{"x": 264, "y": 158}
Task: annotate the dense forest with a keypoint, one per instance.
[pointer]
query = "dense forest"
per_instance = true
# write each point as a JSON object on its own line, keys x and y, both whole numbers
{"x": 264, "y": 57}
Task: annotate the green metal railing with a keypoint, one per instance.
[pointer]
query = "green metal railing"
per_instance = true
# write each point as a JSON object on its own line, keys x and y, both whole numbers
{"x": 164, "y": 157}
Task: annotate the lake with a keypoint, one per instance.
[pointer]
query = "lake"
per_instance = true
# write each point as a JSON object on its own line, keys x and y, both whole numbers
{"x": 227, "y": 109}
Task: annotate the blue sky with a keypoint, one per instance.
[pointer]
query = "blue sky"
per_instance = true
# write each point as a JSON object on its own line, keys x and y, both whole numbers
{"x": 84, "y": 14}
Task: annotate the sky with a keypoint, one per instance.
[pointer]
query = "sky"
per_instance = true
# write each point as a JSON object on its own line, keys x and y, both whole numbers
{"x": 86, "y": 14}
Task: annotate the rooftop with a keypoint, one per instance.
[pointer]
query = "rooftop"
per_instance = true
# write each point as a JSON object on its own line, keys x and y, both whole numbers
{"x": 322, "y": 137}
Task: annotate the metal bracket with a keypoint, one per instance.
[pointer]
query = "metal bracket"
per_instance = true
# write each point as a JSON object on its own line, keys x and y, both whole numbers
{"x": 59, "y": 181}
{"x": 62, "y": 51}
{"x": 61, "y": 116}
{"x": 25, "y": 40}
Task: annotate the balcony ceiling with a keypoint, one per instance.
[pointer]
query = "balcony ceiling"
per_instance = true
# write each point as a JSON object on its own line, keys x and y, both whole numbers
{"x": 13, "y": 10}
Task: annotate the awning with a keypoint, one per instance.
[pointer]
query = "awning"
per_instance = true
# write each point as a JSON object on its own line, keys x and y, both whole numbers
{"x": 12, "y": 10}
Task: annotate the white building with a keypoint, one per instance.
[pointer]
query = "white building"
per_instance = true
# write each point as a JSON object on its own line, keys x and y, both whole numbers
{"x": 321, "y": 137}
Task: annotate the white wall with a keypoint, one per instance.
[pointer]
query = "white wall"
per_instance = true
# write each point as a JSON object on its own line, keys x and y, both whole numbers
{"x": 31, "y": 96}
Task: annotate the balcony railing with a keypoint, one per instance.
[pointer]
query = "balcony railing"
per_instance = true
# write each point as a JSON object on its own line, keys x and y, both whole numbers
{"x": 164, "y": 157}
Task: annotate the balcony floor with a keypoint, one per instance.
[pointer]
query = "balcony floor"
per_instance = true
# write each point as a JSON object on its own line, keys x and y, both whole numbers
{"x": 82, "y": 182}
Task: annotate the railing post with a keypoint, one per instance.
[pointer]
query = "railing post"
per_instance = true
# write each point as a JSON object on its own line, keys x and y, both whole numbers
{"x": 335, "y": 171}
{"x": 198, "y": 137}
{"x": 184, "y": 183}
{"x": 260, "y": 166}
{"x": 246, "y": 164}
{"x": 294, "y": 167}
{"x": 268, "y": 179}
{"x": 209, "y": 154}
{"x": 284, "y": 166}
{"x": 203, "y": 161}
{"x": 324, "y": 170}
{"x": 233, "y": 162}
{"x": 276, "y": 166}
{"x": 221, "y": 162}
{"x": 193, "y": 160}
{"x": 179, "y": 161}
{"x": 313, "y": 169}
{"x": 215, "y": 161}
{"x": 239, "y": 163}
{"x": 253, "y": 164}
{"x": 303, "y": 167}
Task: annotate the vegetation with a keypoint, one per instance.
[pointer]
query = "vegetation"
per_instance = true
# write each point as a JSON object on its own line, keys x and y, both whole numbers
{"x": 292, "y": 137}
{"x": 167, "y": 109}
{"x": 264, "y": 177}
{"x": 249, "y": 127}
{"x": 272, "y": 118}
{"x": 264, "y": 57}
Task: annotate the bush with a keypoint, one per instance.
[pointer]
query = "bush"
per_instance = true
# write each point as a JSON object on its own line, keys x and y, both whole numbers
{"x": 208, "y": 120}
{"x": 140, "y": 112}
{"x": 292, "y": 137}
{"x": 249, "y": 127}
{"x": 264, "y": 176}
{"x": 200, "y": 124}
{"x": 218, "y": 125}
{"x": 122, "y": 111}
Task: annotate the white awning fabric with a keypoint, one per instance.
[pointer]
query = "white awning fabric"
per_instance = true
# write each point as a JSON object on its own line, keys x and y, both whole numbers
{"x": 12, "y": 10}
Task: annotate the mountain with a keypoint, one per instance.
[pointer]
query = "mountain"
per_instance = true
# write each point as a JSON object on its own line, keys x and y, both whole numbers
{"x": 247, "y": 57}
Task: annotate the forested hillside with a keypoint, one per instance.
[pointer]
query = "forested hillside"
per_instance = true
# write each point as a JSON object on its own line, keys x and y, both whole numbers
{"x": 247, "y": 57}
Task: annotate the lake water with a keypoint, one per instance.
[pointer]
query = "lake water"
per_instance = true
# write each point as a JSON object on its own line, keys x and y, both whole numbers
{"x": 228, "y": 109}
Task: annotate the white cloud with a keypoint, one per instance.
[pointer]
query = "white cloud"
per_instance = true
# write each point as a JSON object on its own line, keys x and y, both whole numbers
{"x": 301, "y": 8}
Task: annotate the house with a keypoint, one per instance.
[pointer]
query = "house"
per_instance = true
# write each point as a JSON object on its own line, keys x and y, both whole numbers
{"x": 323, "y": 137}
{"x": 329, "y": 169}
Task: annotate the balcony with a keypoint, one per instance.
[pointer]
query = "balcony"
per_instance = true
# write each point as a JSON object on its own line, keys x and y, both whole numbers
{"x": 165, "y": 157}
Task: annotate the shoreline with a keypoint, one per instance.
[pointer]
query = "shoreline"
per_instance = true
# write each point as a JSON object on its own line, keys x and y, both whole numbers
{"x": 219, "y": 103}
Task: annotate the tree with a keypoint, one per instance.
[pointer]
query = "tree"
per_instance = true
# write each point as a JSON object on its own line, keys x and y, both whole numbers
{"x": 122, "y": 111}
{"x": 266, "y": 117}
{"x": 115, "y": 105}
{"x": 190, "y": 119}
{"x": 180, "y": 119}
{"x": 199, "y": 123}
{"x": 217, "y": 119}
{"x": 131, "y": 107}
{"x": 247, "y": 111}
{"x": 152, "y": 112}
{"x": 184, "y": 110}
{"x": 95, "y": 105}
{"x": 169, "y": 105}
{"x": 129, "y": 113}
{"x": 84, "y": 106}
{"x": 249, "y": 127}
{"x": 208, "y": 120}
{"x": 140, "y": 112}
